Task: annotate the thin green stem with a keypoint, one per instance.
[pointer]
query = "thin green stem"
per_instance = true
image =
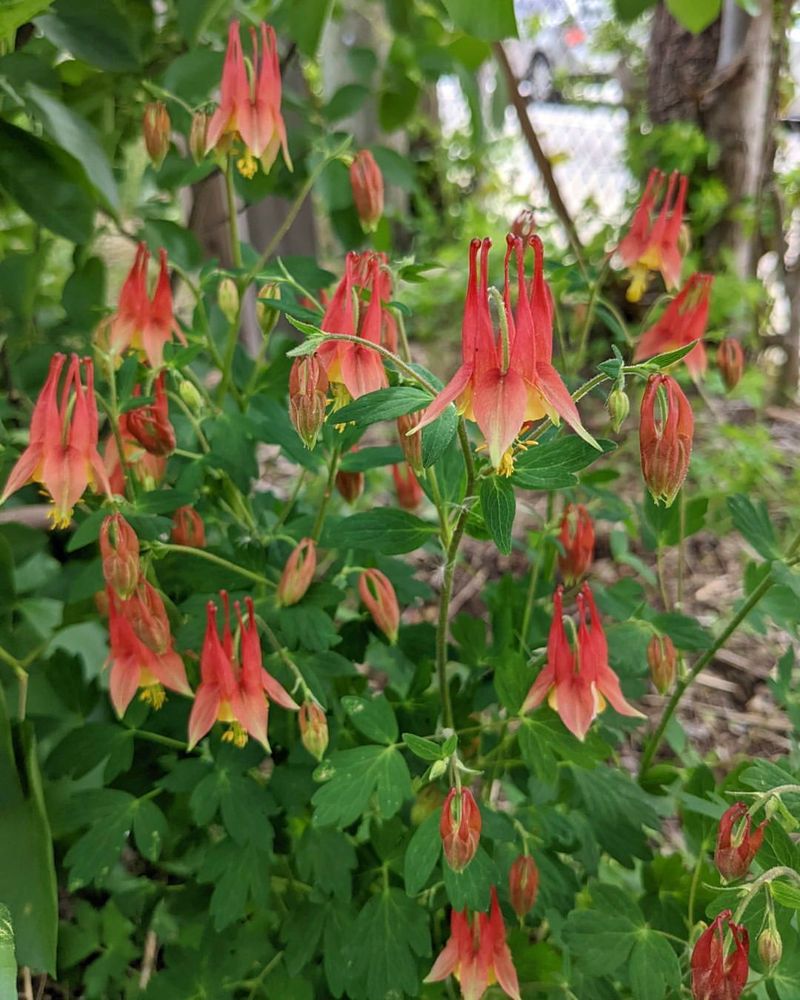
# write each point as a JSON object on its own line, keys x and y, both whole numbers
{"x": 233, "y": 215}
{"x": 583, "y": 340}
{"x": 755, "y": 886}
{"x": 202, "y": 440}
{"x": 696, "y": 881}
{"x": 162, "y": 547}
{"x": 164, "y": 741}
{"x": 287, "y": 661}
{"x": 398, "y": 362}
{"x": 326, "y": 496}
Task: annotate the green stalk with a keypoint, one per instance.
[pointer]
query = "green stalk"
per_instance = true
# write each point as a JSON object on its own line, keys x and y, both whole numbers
{"x": 188, "y": 550}
{"x": 326, "y": 496}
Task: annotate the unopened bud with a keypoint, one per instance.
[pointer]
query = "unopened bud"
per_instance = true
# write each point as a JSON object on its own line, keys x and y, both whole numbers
{"x": 197, "y": 136}
{"x": 524, "y": 224}
{"x": 150, "y": 425}
{"x": 148, "y": 617}
{"x": 308, "y": 398}
{"x": 730, "y": 359}
{"x": 190, "y": 394}
{"x": 438, "y": 768}
{"x": 378, "y": 595}
{"x": 188, "y": 528}
{"x": 156, "y": 127}
{"x": 313, "y": 729}
{"x": 770, "y": 948}
{"x": 228, "y": 299}
{"x": 523, "y": 884}
{"x": 267, "y": 318}
{"x": 411, "y": 443}
{"x": 119, "y": 549}
{"x": 366, "y": 181}
{"x": 297, "y": 573}
{"x": 409, "y": 492}
{"x": 460, "y": 828}
{"x": 350, "y": 485}
{"x": 619, "y": 406}
{"x": 577, "y": 540}
{"x": 662, "y": 658}
{"x": 666, "y": 429}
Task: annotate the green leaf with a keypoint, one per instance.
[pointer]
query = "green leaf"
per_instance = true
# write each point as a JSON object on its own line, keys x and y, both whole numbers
{"x": 499, "y": 507}
{"x": 345, "y": 102}
{"x": 8, "y": 961}
{"x": 654, "y": 967}
{"x": 374, "y": 717}
{"x": 306, "y": 21}
{"x": 696, "y": 15}
{"x": 149, "y": 829}
{"x": 629, "y": 10}
{"x": 600, "y": 941}
{"x": 512, "y": 679}
{"x": 384, "y": 530}
{"x": 786, "y": 894}
{"x": 422, "y": 854}
{"x": 106, "y": 42}
{"x": 471, "y": 888}
{"x": 686, "y": 632}
{"x": 352, "y": 777}
{"x": 383, "y": 404}
{"x": 553, "y": 465}
{"x": 669, "y": 358}
{"x": 422, "y": 748}
{"x": 96, "y": 852}
{"x": 438, "y": 436}
{"x": 491, "y": 22}
{"x": 786, "y": 577}
{"x": 238, "y": 874}
{"x": 13, "y": 15}
{"x": 194, "y": 16}
{"x": 371, "y": 458}
{"x": 91, "y": 744}
{"x": 327, "y": 858}
{"x": 752, "y": 520}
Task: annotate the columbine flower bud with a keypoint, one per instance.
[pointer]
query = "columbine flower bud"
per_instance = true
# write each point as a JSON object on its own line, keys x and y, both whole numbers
{"x": 666, "y": 429}
{"x": 525, "y": 223}
{"x": 190, "y": 395}
{"x": 119, "y": 549}
{"x": 770, "y": 948}
{"x": 737, "y": 844}
{"x": 523, "y": 884}
{"x": 730, "y": 359}
{"x": 313, "y": 729}
{"x": 188, "y": 528}
{"x": 228, "y": 299}
{"x": 460, "y": 828}
{"x": 378, "y": 594}
{"x": 350, "y": 485}
{"x": 366, "y": 181}
{"x": 156, "y": 128}
{"x": 267, "y": 318}
{"x": 715, "y": 974}
{"x": 661, "y": 658}
{"x": 409, "y": 492}
{"x": 298, "y": 572}
{"x": 197, "y": 136}
{"x": 308, "y": 398}
{"x": 411, "y": 443}
{"x": 150, "y": 424}
{"x": 619, "y": 406}
{"x": 577, "y": 540}
{"x": 147, "y": 615}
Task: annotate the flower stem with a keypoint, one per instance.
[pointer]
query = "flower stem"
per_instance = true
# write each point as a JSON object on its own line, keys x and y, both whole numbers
{"x": 233, "y": 216}
{"x": 159, "y": 548}
{"x": 590, "y": 311}
{"x": 326, "y": 496}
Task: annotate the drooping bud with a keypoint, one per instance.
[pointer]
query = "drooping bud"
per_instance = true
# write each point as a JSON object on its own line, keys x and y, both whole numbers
{"x": 715, "y": 975}
{"x": 188, "y": 528}
{"x": 267, "y": 318}
{"x": 147, "y": 615}
{"x": 297, "y": 573}
{"x": 308, "y": 398}
{"x": 524, "y": 224}
{"x": 150, "y": 424}
{"x": 156, "y": 128}
{"x": 662, "y": 659}
{"x": 619, "y": 406}
{"x": 770, "y": 948}
{"x": 409, "y": 492}
{"x": 313, "y": 728}
{"x": 737, "y": 844}
{"x": 411, "y": 444}
{"x": 190, "y": 395}
{"x": 366, "y": 181}
{"x": 119, "y": 549}
{"x": 730, "y": 359}
{"x": 228, "y": 299}
{"x": 666, "y": 429}
{"x": 197, "y": 136}
{"x": 350, "y": 484}
{"x": 460, "y": 828}
{"x": 523, "y": 884}
{"x": 378, "y": 595}
{"x": 577, "y": 541}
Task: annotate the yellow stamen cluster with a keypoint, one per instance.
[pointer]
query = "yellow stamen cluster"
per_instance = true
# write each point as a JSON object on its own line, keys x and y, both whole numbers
{"x": 247, "y": 164}
{"x": 640, "y": 276}
{"x": 153, "y": 695}
{"x": 506, "y": 466}
{"x": 235, "y": 734}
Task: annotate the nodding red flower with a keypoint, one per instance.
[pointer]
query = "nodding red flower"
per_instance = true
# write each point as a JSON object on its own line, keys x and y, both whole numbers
{"x": 234, "y": 691}
{"x": 578, "y": 683}
{"x": 62, "y": 443}
{"x": 730, "y": 360}
{"x": 148, "y": 617}
{"x": 350, "y": 484}
{"x": 119, "y": 550}
{"x": 577, "y": 540}
{"x": 366, "y": 180}
{"x": 737, "y": 843}
{"x": 308, "y": 398}
{"x": 148, "y": 469}
{"x": 141, "y": 323}
{"x": 313, "y": 728}
{"x": 666, "y": 429}
{"x": 654, "y": 244}
{"x": 250, "y": 105}
{"x": 378, "y": 594}
{"x": 150, "y": 424}
{"x": 156, "y": 130}
{"x": 409, "y": 492}
{"x": 135, "y": 664}
{"x": 662, "y": 659}
{"x": 523, "y": 884}
{"x": 715, "y": 975}
{"x": 684, "y": 320}
{"x": 507, "y": 381}
{"x": 477, "y": 954}
{"x": 298, "y": 573}
{"x": 188, "y": 528}
{"x": 460, "y": 828}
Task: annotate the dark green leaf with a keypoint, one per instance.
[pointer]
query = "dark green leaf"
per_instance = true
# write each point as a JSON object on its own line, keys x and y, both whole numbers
{"x": 94, "y": 854}
{"x": 383, "y": 404}
{"x": 373, "y": 717}
{"x": 491, "y": 22}
{"x": 438, "y": 436}
{"x": 106, "y": 42}
{"x": 84, "y": 748}
{"x": 422, "y": 854}
{"x": 752, "y": 520}
{"x": 696, "y": 15}
{"x": 686, "y": 632}
{"x": 629, "y": 10}
{"x": 553, "y": 465}
{"x": 194, "y": 16}
{"x": 149, "y": 829}
{"x": 499, "y": 507}
{"x": 305, "y": 22}
{"x": 662, "y": 361}
{"x": 383, "y": 529}
{"x": 371, "y": 458}
{"x": 391, "y": 935}
{"x": 471, "y": 888}
{"x": 600, "y": 942}
{"x": 422, "y": 748}
{"x": 345, "y": 102}
{"x": 654, "y": 967}
{"x": 352, "y": 777}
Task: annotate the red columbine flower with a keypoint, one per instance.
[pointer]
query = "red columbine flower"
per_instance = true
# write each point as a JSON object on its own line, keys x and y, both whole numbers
{"x": 188, "y": 528}
{"x": 730, "y": 360}
{"x": 577, "y": 540}
{"x": 577, "y": 683}
{"x": 308, "y": 398}
{"x": 504, "y": 382}
{"x": 250, "y": 104}
{"x": 313, "y": 728}
{"x": 477, "y": 954}
{"x": 136, "y": 665}
{"x": 662, "y": 659}
{"x": 366, "y": 180}
{"x": 150, "y": 424}
{"x": 409, "y": 492}
{"x": 350, "y": 484}
{"x": 460, "y": 828}
{"x": 148, "y": 469}
{"x": 523, "y": 884}
{"x": 141, "y": 323}
{"x": 156, "y": 129}
{"x": 737, "y": 844}
{"x": 378, "y": 594}
{"x": 298, "y": 573}
{"x": 666, "y": 429}
{"x": 653, "y": 244}
{"x": 119, "y": 550}
{"x": 715, "y": 975}
{"x": 62, "y": 444}
{"x": 146, "y": 612}
{"x": 684, "y": 320}
{"x": 524, "y": 224}
{"x": 231, "y": 691}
